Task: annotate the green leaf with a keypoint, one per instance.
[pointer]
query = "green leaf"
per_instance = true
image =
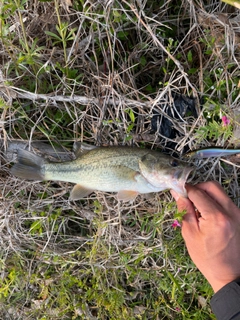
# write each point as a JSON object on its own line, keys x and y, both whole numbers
{"x": 189, "y": 56}
{"x": 131, "y": 115}
{"x": 53, "y": 35}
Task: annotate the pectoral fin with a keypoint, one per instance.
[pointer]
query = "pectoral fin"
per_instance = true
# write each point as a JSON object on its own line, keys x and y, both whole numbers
{"x": 127, "y": 195}
{"x": 79, "y": 192}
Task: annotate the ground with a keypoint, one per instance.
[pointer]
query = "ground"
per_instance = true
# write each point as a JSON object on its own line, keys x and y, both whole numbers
{"x": 162, "y": 75}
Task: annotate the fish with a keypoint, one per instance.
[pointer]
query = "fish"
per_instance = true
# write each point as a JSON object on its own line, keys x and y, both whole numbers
{"x": 129, "y": 171}
{"x": 211, "y": 152}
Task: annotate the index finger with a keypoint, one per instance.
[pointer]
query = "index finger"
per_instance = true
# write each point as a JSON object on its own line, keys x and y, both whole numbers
{"x": 217, "y": 193}
{"x": 205, "y": 204}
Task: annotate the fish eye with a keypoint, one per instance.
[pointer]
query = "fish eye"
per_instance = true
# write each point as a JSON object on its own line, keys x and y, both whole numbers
{"x": 174, "y": 163}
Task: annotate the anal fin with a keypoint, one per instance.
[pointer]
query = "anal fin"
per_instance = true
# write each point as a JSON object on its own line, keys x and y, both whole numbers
{"x": 79, "y": 192}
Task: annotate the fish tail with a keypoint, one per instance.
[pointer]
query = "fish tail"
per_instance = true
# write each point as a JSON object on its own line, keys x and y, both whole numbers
{"x": 29, "y": 166}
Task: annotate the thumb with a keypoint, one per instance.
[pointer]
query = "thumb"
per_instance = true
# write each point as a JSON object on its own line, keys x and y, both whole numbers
{"x": 184, "y": 204}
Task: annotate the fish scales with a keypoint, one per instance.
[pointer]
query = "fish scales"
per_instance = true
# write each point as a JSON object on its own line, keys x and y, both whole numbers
{"x": 96, "y": 161}
{"x": 101, "y": 167}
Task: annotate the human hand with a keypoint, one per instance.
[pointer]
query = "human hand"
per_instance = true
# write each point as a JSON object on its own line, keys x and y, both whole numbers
{"x": 211, "y": 232}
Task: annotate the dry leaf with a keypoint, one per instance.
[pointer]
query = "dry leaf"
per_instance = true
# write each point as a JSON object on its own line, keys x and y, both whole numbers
{"x": 66, "y": 4}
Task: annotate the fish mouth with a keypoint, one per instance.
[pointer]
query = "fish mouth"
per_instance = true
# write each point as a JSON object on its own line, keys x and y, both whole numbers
{"x": 179, "y": 179}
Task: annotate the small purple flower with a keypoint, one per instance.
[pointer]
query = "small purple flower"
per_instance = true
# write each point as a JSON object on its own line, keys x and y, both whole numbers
{"x": 177, "y": 309}
{"x": 176, "y": 224}
{"x": 225, "y": 121}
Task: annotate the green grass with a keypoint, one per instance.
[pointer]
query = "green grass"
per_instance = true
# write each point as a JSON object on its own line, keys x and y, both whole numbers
{"x": 151, "y": 279}
{"x": 94, "y": 71}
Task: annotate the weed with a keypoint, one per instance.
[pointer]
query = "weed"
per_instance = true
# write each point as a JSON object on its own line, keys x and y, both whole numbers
{"x": 95, "y": 71}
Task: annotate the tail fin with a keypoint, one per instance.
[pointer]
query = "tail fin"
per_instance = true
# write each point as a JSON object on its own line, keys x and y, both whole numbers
{"x": 29, "y": 166}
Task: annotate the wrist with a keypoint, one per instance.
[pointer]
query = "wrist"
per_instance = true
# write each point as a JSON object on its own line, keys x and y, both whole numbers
{"x": 217, "y": 286}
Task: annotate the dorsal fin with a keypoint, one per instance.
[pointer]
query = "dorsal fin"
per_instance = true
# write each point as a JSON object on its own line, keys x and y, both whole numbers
{"x": 79, "y": 148}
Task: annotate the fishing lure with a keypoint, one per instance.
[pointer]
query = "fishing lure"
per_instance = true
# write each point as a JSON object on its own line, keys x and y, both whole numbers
{"x": 214, "y": 152}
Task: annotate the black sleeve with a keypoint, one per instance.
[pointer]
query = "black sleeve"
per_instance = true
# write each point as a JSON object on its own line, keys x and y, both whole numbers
{"x": 226, "y": 302}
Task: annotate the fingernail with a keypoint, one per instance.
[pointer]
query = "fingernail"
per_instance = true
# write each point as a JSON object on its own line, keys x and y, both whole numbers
{"x": 175, "y": 195}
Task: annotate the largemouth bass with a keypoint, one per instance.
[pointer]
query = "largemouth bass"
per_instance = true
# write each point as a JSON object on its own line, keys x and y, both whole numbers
{"x": 125, "y": 170}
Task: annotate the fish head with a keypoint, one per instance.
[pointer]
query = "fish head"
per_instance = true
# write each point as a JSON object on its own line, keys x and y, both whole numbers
{"x": 165, "y": 172}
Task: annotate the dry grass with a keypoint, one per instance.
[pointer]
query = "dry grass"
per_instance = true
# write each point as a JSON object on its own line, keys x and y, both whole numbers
{"x": 117, "y": 63}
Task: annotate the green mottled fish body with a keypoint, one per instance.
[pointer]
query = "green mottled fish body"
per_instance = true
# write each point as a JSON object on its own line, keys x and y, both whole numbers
{"x": 128, "y": 171}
